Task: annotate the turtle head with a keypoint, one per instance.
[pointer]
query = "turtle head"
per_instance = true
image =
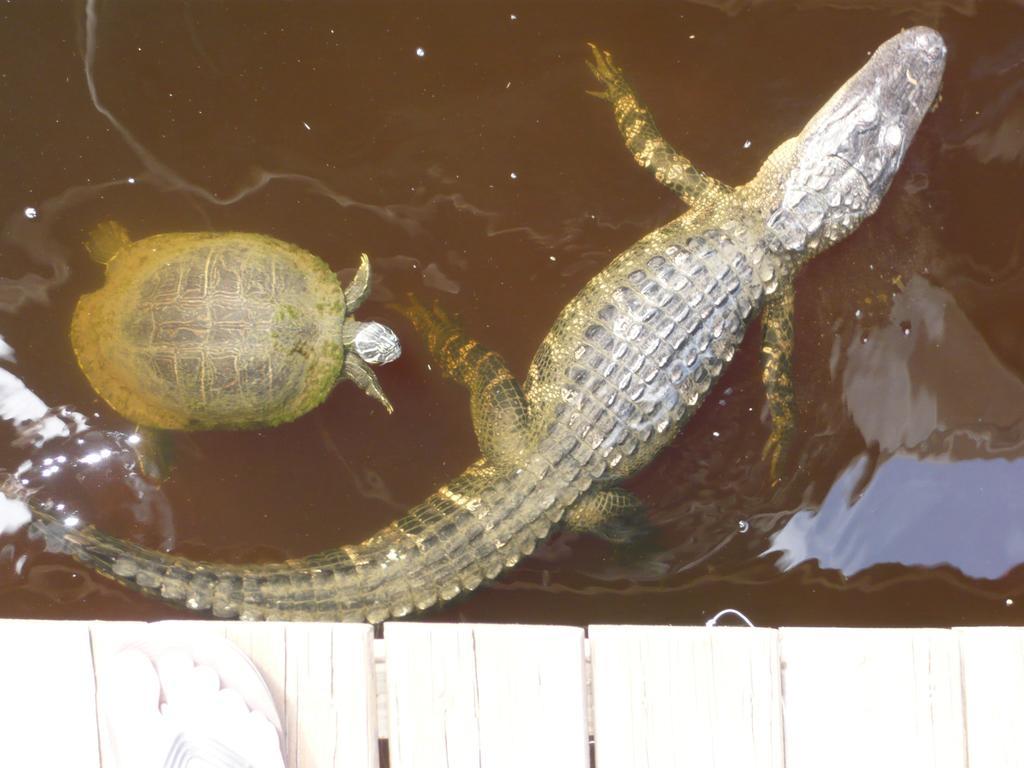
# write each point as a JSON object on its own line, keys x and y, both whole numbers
{"x": 845, "y": 158}
{"x": 376, "y": 343}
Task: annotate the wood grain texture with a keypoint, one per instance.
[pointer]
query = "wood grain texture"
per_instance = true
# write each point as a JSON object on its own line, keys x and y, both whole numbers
{"x": 532, "y": 697}
{"x": 488, "y": 696}
{"x": 330, "y": 695}
{"x": 683, "y": 696}
{"x": 992, "y": 663}
{"x": 432, "y": 699}
{"x": 881, "y": 697}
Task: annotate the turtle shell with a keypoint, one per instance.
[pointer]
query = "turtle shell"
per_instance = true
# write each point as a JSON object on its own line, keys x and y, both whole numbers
{"x": 212, "y": 331}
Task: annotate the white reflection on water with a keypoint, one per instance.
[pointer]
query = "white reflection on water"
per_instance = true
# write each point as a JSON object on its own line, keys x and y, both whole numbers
{"x": 37, "y": 241}
{"x": 969, "y": 514}
{"x": 13, "y": 514}
{"x": 901, "y": 388}
{"x": 27, "y": 413}
{"x": 944, "y": 415}
{"x": 34, "y": 421}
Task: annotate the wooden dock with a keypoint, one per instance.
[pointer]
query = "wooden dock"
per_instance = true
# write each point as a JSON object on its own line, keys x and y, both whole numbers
{"x": 611, "y": 696}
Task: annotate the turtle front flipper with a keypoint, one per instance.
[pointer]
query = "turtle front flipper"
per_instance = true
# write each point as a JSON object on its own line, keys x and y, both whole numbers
{"x": 359, "y": 288}
{"x": 105, "y": 240}
{"x": 359, "y": 372}
{"x": 368, "y": 344}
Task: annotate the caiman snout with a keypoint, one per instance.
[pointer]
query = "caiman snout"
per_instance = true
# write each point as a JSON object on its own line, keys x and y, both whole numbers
{"x": 911, "y": 65}
{"x": 927, "y": 41}
{"x": 846, "y": 156}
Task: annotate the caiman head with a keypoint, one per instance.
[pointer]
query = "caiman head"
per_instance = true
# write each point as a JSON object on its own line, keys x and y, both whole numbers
{"x": 832, "y": 176}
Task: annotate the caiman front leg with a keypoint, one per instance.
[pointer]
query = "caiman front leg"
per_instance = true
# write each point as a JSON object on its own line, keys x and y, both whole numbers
{"x": 644, "y": 140}
{"x": 777, "y": 375}
{"x": 496, "y": 399}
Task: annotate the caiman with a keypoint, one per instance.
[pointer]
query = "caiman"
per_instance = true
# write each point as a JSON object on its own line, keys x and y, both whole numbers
{"x": 625, "y": 365}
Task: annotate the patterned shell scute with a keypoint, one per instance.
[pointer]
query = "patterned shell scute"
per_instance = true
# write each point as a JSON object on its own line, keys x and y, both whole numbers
{"x": 226, "y": 331}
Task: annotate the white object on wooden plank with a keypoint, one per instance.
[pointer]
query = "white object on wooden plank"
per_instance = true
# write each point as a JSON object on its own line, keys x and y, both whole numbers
{"x": 878, "y": 697}
{"x": 686, "y": 696}
{"x": 48, "y": 703}
{"x": 320, "y": 677}
{"x": 486, "y": 696}
{"x": 264, "y": 644}
{"x": 992, "y": 660}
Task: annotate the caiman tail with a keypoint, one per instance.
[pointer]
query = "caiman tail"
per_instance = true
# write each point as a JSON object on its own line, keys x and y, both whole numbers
{"x": 469, "y": 530}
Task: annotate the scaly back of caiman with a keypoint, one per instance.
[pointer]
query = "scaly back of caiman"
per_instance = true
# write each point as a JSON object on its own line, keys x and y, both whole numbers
{"x": 624, "y": 366}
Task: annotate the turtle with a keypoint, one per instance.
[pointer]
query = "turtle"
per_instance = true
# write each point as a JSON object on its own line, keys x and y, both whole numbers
{"x": 222, "y": 330}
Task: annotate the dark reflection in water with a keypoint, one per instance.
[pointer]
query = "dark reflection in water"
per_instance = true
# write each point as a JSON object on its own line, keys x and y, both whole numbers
{"x": 455, "y": 145}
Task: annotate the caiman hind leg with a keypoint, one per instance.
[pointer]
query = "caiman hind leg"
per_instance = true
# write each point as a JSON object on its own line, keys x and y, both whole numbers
{"x": 644, "y": 140}
{"x": 615, "y": 515}
{"x": 496, "y": 399}
{"x": 500, "y": 420}
{"x": 777, "y": 375}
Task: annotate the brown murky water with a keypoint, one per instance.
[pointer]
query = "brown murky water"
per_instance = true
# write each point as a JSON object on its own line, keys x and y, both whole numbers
{"x": 454, "y": 143}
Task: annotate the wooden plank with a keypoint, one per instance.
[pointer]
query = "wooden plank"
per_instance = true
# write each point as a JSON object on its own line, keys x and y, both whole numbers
{"x": 470, "y": 695}
{"x": 331, "y": 696}
{"x": 485, "y": 696}
{"x": 856, "y": 697}
{"x": 686, "y": 696}
{"x": 992, "y": 662}
{"x": 48, "y": 704}
{"x": 354, "y": 691}
{"x": 432, "y": 702}
{"x": 531, "y": 696}
{"x": 106, "y": 637}
{"x": 264, "y": 644}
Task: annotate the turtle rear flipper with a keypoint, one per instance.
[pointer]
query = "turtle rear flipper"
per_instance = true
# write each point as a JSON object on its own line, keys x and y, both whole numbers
{"x": 154, "y": 453}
